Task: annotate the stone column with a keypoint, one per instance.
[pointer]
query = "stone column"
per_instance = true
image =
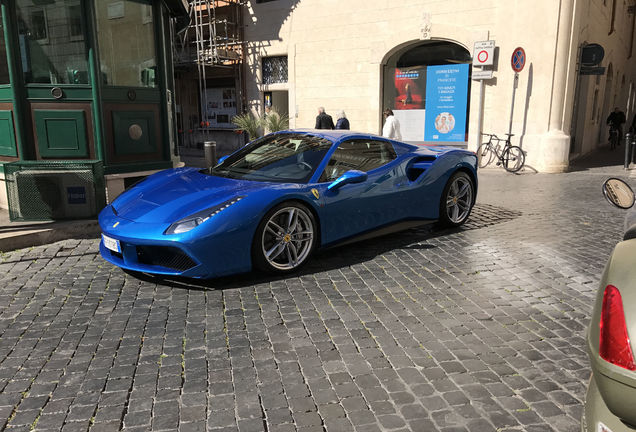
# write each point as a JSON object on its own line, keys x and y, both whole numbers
{"x": 555, "y": 144}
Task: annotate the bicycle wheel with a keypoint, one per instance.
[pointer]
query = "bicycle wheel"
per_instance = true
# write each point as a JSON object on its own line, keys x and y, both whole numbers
{"x": 613, "y": 138}
{"x": 513, "y": 159}
{"x": 485, "y": 155}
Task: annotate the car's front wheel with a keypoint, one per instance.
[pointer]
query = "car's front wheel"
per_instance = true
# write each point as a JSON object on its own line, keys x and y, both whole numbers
{"x": 457, "y": 200}
{"x": 285, "y": 238}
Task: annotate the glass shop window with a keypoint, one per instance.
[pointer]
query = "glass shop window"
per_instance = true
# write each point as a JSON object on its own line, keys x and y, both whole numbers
{"x": 125, "y": 29}
{"x": 50, "y": 50}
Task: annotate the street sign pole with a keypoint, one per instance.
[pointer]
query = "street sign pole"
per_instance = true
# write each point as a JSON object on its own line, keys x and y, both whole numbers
{"x": 518, "y": 61}
{"x": 480, "y": 113}
{"x": 512, "y": 103}
{"x": 483, "y": 59}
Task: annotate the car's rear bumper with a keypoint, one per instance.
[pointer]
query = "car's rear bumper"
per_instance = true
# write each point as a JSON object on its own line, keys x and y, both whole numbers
{"x": 596, "y": 413}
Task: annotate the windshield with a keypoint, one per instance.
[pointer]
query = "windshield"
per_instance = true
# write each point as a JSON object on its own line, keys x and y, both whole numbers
{"x": 285, "y": 158}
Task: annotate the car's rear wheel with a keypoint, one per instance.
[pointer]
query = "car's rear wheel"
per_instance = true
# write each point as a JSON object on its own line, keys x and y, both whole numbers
{"x": 457, "y": 200}
{"x": 285, "y": 238}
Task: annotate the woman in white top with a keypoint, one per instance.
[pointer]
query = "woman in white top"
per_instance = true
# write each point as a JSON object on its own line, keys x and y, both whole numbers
{"x": 391, "y": 127}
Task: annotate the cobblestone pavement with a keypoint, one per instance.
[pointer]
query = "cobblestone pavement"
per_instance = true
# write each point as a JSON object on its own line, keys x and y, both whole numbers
{"x": 476, "y": 329}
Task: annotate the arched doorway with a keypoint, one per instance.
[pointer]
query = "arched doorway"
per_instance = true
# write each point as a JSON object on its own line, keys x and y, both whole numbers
{"x": 427, "y": 86}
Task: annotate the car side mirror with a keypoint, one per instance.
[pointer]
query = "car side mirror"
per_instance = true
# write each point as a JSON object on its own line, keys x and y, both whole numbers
{"x": 352, "y": 176}
{"x": 618, "y": 193}
{"x": 221, "y": 159}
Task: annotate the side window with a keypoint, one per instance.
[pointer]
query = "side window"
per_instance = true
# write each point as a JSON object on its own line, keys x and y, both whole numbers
{"x": 362, "y": 155}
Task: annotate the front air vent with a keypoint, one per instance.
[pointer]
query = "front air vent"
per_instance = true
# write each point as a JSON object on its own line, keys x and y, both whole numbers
{"x": 164, "y": 256}
{"x": 418, "y": 166}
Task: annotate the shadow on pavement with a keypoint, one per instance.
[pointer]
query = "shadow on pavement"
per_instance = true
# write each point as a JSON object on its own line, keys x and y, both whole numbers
{"x": 483, "y": 215}
{"x": 603, "y": 157}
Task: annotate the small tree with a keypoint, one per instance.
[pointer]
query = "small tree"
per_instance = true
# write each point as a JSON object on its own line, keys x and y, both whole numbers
{"x": 249, "y": 123}
{"x": 275, "y": 122}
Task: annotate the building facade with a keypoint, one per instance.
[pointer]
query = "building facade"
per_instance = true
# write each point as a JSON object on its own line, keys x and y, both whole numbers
{"x": 365, "y": 56}
{"x": 88, "y": 80}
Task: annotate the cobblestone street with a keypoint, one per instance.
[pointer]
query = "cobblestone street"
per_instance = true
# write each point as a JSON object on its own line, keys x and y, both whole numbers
{"x": 476, "y": 329}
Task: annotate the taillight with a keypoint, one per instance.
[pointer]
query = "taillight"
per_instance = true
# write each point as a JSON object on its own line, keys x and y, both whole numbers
{"x": 614, "y": 341}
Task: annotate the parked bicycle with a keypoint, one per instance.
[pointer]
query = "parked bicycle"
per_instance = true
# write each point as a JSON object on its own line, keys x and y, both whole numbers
{"x": 613, "y": 137}
{"x": 510, "y": 157}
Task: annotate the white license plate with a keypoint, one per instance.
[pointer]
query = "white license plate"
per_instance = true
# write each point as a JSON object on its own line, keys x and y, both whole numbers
{"x": 111, "y": 243}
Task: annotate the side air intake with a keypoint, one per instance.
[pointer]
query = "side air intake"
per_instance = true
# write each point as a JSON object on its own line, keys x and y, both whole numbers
{"x": 418, "y": 166}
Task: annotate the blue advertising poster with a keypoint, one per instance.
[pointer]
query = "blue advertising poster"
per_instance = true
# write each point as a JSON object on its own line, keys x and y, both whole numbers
{"x": 446, "y": 102}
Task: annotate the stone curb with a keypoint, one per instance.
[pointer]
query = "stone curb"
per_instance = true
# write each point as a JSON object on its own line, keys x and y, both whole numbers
{"x": 47, "y": 233}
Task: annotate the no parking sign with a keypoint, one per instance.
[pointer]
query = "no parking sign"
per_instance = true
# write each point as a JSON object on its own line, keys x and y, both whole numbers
{"x": 518, "y": 60}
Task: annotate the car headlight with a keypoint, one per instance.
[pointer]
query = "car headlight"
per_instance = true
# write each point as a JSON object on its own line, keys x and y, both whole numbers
{"x": 193, "y": 221}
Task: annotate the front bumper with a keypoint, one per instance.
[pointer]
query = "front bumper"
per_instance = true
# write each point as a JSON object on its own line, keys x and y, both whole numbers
{"x": 152, "y": 258}
{"x": 200, "y": 253}
{"x": 596, "y": 413}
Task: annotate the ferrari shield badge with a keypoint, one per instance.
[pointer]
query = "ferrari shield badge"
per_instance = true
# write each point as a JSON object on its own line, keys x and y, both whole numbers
{"x": 315, "y": 192}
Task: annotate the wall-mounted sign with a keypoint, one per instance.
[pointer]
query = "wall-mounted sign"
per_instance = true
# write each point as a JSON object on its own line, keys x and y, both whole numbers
{"x": 592, "y": 55}
{"x": 518, "y": 60}
{"x": 446, "y": 102}
{"x": 481, "y": 74}
{"x": 484, "y": 53}
{"x": 221, "y": 107}
{"x": 599, "y": 70}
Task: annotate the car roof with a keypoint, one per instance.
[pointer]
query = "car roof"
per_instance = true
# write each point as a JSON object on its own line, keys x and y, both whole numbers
{"x": 337, "y": 135}
{"x": 333, "y": 134}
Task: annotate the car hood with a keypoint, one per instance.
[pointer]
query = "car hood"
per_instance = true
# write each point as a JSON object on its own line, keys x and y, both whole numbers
{"x": 173, "y": 194}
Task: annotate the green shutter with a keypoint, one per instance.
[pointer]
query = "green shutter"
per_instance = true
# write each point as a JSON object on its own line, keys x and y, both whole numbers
{"x": 61, "y": 133}
{"x": 7, "y": 135}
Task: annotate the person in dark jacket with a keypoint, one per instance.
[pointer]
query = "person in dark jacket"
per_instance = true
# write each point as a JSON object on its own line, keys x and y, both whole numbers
{"x": 615, "y": 121}
{"x": 323, "y": 120}
{"x": 343, "y": 122}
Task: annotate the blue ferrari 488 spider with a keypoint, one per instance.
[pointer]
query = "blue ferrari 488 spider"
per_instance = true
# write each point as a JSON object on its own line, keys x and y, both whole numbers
{"x": 270, "y": 204}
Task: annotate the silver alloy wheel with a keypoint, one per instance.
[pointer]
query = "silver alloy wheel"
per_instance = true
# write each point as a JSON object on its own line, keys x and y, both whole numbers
{"x": 288, "y": 238}
{"x": 459, "y": 199}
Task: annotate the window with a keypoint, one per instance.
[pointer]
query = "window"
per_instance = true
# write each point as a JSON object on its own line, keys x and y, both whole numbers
{"x": 275, "y": 70}
{"x": 613, "y": 18}
{"x": 126, "y": 36}
{"x": 284, "y": 158}
{"x": 362, "y": 155}
{"x": 49, "y": 52}
{"x": 4, "y": 67}
{"x": 75, "y": 29}
{"x": 39, "y": 30}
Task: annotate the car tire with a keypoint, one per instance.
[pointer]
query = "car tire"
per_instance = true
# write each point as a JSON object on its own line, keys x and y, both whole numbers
{"x": 458, "y": 198}
{"x": 285, "y": 238}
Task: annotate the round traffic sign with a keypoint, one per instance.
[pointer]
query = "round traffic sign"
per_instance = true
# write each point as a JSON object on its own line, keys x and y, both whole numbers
{"x": 482, "y": 56}
{"x": 518, "y": 60}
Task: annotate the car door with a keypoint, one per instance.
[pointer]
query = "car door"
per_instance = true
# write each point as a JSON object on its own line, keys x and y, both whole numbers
{"x": 355, "y": 208}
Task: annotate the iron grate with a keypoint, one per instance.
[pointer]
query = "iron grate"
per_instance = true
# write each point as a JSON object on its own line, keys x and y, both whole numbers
{"x": 275, "y": 70}
{"x": 164, "y": 256}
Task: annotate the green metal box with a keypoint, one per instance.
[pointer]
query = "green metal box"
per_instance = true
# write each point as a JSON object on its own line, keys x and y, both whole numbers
{"x": 54, "y": 190}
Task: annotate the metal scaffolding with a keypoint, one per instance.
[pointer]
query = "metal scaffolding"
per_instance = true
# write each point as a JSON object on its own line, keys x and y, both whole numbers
{"x": 214, "y": 39}
{"x": 214, "y": 36}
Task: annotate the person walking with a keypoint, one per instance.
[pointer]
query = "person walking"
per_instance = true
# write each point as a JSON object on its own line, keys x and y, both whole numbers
{"x": 391, "y": 127}
{"x": 342, "y": 122}
{"x": 323, "y": 120}
{"x": 615, "y": 121}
